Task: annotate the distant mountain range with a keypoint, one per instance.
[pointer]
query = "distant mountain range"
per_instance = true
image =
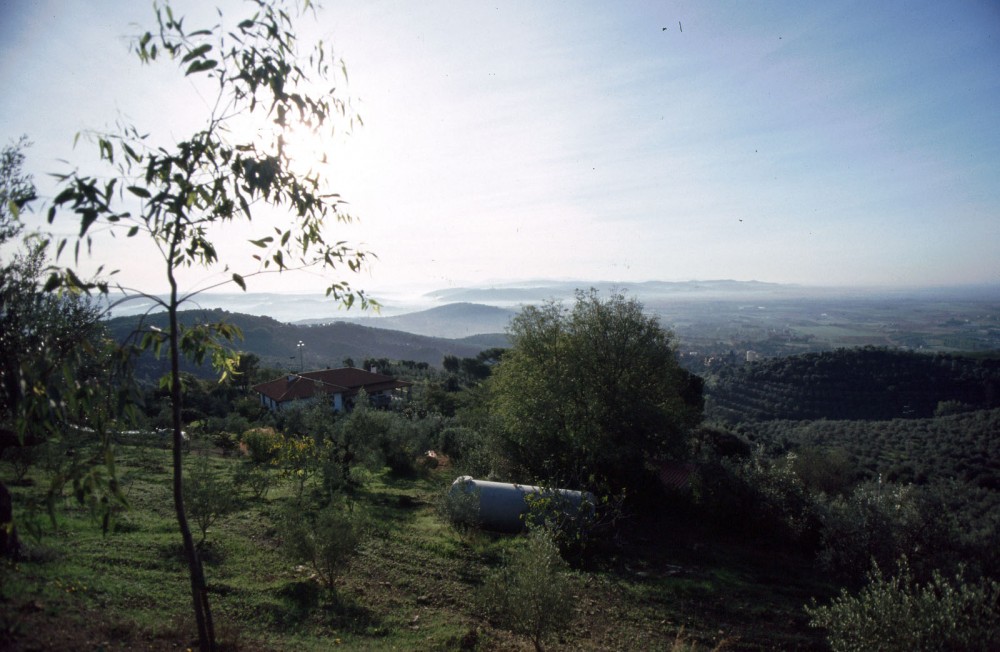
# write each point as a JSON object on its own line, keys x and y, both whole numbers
{"x": 707, "y": 316}
{"x": 315, "y": 308}
{"x": 529, "y": 293}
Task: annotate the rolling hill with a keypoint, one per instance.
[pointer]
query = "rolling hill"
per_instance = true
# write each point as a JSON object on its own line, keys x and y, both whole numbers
{"x": 325, "y": 345}
{"x": 449, "y": 321}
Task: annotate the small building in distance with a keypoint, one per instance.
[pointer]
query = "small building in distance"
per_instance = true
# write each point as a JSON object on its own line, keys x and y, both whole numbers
{"x": 338, "y": 386}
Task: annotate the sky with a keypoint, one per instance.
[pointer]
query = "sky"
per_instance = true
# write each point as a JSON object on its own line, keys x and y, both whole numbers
{"x": 830, "y": 144}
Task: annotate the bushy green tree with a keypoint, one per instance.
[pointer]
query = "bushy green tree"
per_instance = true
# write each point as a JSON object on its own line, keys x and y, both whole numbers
{"x": 877, "y": 523}
{"x": 207, "y": 496}
{"x": 347, "y": 444}
{"x": 755, "y": 496}
{"x": 593, "y": 394}
{"x": 532, "y": 594}
{"x": 325, "y": 539}
{"x": 55, "y": 370}
{"x": 899, "y": 614}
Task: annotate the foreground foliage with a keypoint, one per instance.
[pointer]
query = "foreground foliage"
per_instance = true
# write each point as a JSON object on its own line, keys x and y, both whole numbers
{"x": 412, "y": 583}
{"x": 899, "y": 614}
{"x": 55, "y": 368}
{"x": 185, "y": 190}
{"x": 532, "y": 594}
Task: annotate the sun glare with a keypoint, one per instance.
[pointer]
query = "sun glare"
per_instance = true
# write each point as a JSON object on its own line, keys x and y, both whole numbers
{"x": 307, "y": 151}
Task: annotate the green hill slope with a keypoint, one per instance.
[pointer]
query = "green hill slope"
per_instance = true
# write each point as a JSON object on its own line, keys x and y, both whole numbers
{"x": 325, "y": 345}
{"x": 868, "y": 383}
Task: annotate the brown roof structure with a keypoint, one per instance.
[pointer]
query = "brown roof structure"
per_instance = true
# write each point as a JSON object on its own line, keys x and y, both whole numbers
{"x": 347, "y": 381}
{"x": 677, "y": 476}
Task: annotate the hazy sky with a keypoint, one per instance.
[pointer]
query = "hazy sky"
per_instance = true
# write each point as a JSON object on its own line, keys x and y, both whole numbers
{"x": 824, "y": 143}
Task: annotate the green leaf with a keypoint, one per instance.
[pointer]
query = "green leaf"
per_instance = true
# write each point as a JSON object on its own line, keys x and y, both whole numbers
{"x": 139, "y": 191}
{"x": 239, "y": 281}
{"x": 107, "y": 152}
{"x": 87, "y": 217}
{"x": 201, "y": 66}
{"x": 134, "y": 230}
{"x": 131, "y": 152}
{"x": 52, "y": 283}
{"x": 197, "y": 52}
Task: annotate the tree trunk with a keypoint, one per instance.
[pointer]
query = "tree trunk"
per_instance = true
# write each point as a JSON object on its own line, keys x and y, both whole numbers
{"x": 9, "y": 546}
{"x": 199, "y": 592}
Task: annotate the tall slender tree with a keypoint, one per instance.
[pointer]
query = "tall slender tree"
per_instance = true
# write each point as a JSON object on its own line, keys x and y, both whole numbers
{"x": 177, "y": 195}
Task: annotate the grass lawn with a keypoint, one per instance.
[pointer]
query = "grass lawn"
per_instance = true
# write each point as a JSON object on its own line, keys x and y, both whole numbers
{"x": 412, "y": 586}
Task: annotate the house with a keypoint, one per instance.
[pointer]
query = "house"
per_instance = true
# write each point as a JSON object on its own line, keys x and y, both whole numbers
{"x": 339, "y": 386}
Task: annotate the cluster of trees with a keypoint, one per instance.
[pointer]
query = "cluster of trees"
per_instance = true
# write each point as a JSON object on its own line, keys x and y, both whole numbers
{"x": 868, "y": 383}
{"x": 963, "y": 447}
{"x": 844, "y": 521}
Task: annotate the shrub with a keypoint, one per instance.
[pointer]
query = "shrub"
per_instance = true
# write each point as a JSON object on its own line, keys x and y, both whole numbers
{"x": 569, "y": 523}
{"x": 460, "y": 508}
{"x": 257, "y": 479}
{"x": 876, "y": 523}
{"x": 399, "y": 448}
{"x": 206, "y": 496}
{"x": 897, "y": 613}
{"x": 532, "y": 594}
{"x": 261, "y": 445}
{"x": 756, "y": 497}
{"x": 325, "y": 540}
{"x": 225, "y": 441}
{"x": 21, "y": 459}
{"x": 299, "y": 460}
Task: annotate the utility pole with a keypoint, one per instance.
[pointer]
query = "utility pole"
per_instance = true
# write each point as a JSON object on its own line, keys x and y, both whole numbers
{"x": 301, "y": 345}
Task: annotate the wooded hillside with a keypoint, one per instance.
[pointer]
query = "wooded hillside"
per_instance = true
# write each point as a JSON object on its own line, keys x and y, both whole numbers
{"x": 275, "y": 343}
{"x": 867, "y": 383}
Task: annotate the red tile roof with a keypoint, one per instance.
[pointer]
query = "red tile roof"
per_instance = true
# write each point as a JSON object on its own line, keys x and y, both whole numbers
{"x": 347, "y": 381}
{"x": 675, "y": 475}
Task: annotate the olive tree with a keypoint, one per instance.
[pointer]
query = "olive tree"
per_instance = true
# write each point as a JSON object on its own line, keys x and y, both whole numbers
{"x": 53, "y": 366}
{"x": 179, "y": 194}
{"x": 532, "y": 594}
{"x": 592, "y": 395}
{"x": 899, "y": 613}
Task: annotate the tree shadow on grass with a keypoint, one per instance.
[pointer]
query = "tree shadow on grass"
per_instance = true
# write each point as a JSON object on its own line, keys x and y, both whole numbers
{"x": 300, "y": 602}
{"x": 211, "y": 554}
{"x": 344, "y": 613}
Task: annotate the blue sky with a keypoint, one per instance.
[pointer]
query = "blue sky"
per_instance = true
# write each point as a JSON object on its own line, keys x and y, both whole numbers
{"x": 835, "y": 143}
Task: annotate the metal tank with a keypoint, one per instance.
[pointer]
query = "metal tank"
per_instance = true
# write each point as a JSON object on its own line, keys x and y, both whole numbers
{"x": 502, "y": 504}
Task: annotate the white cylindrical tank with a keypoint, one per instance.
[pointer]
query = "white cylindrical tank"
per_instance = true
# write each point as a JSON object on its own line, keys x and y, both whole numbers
{"x": 502, "y": 504}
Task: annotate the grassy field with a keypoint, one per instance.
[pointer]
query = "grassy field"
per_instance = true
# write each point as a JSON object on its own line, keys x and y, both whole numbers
{"x": 412, "y": 586}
